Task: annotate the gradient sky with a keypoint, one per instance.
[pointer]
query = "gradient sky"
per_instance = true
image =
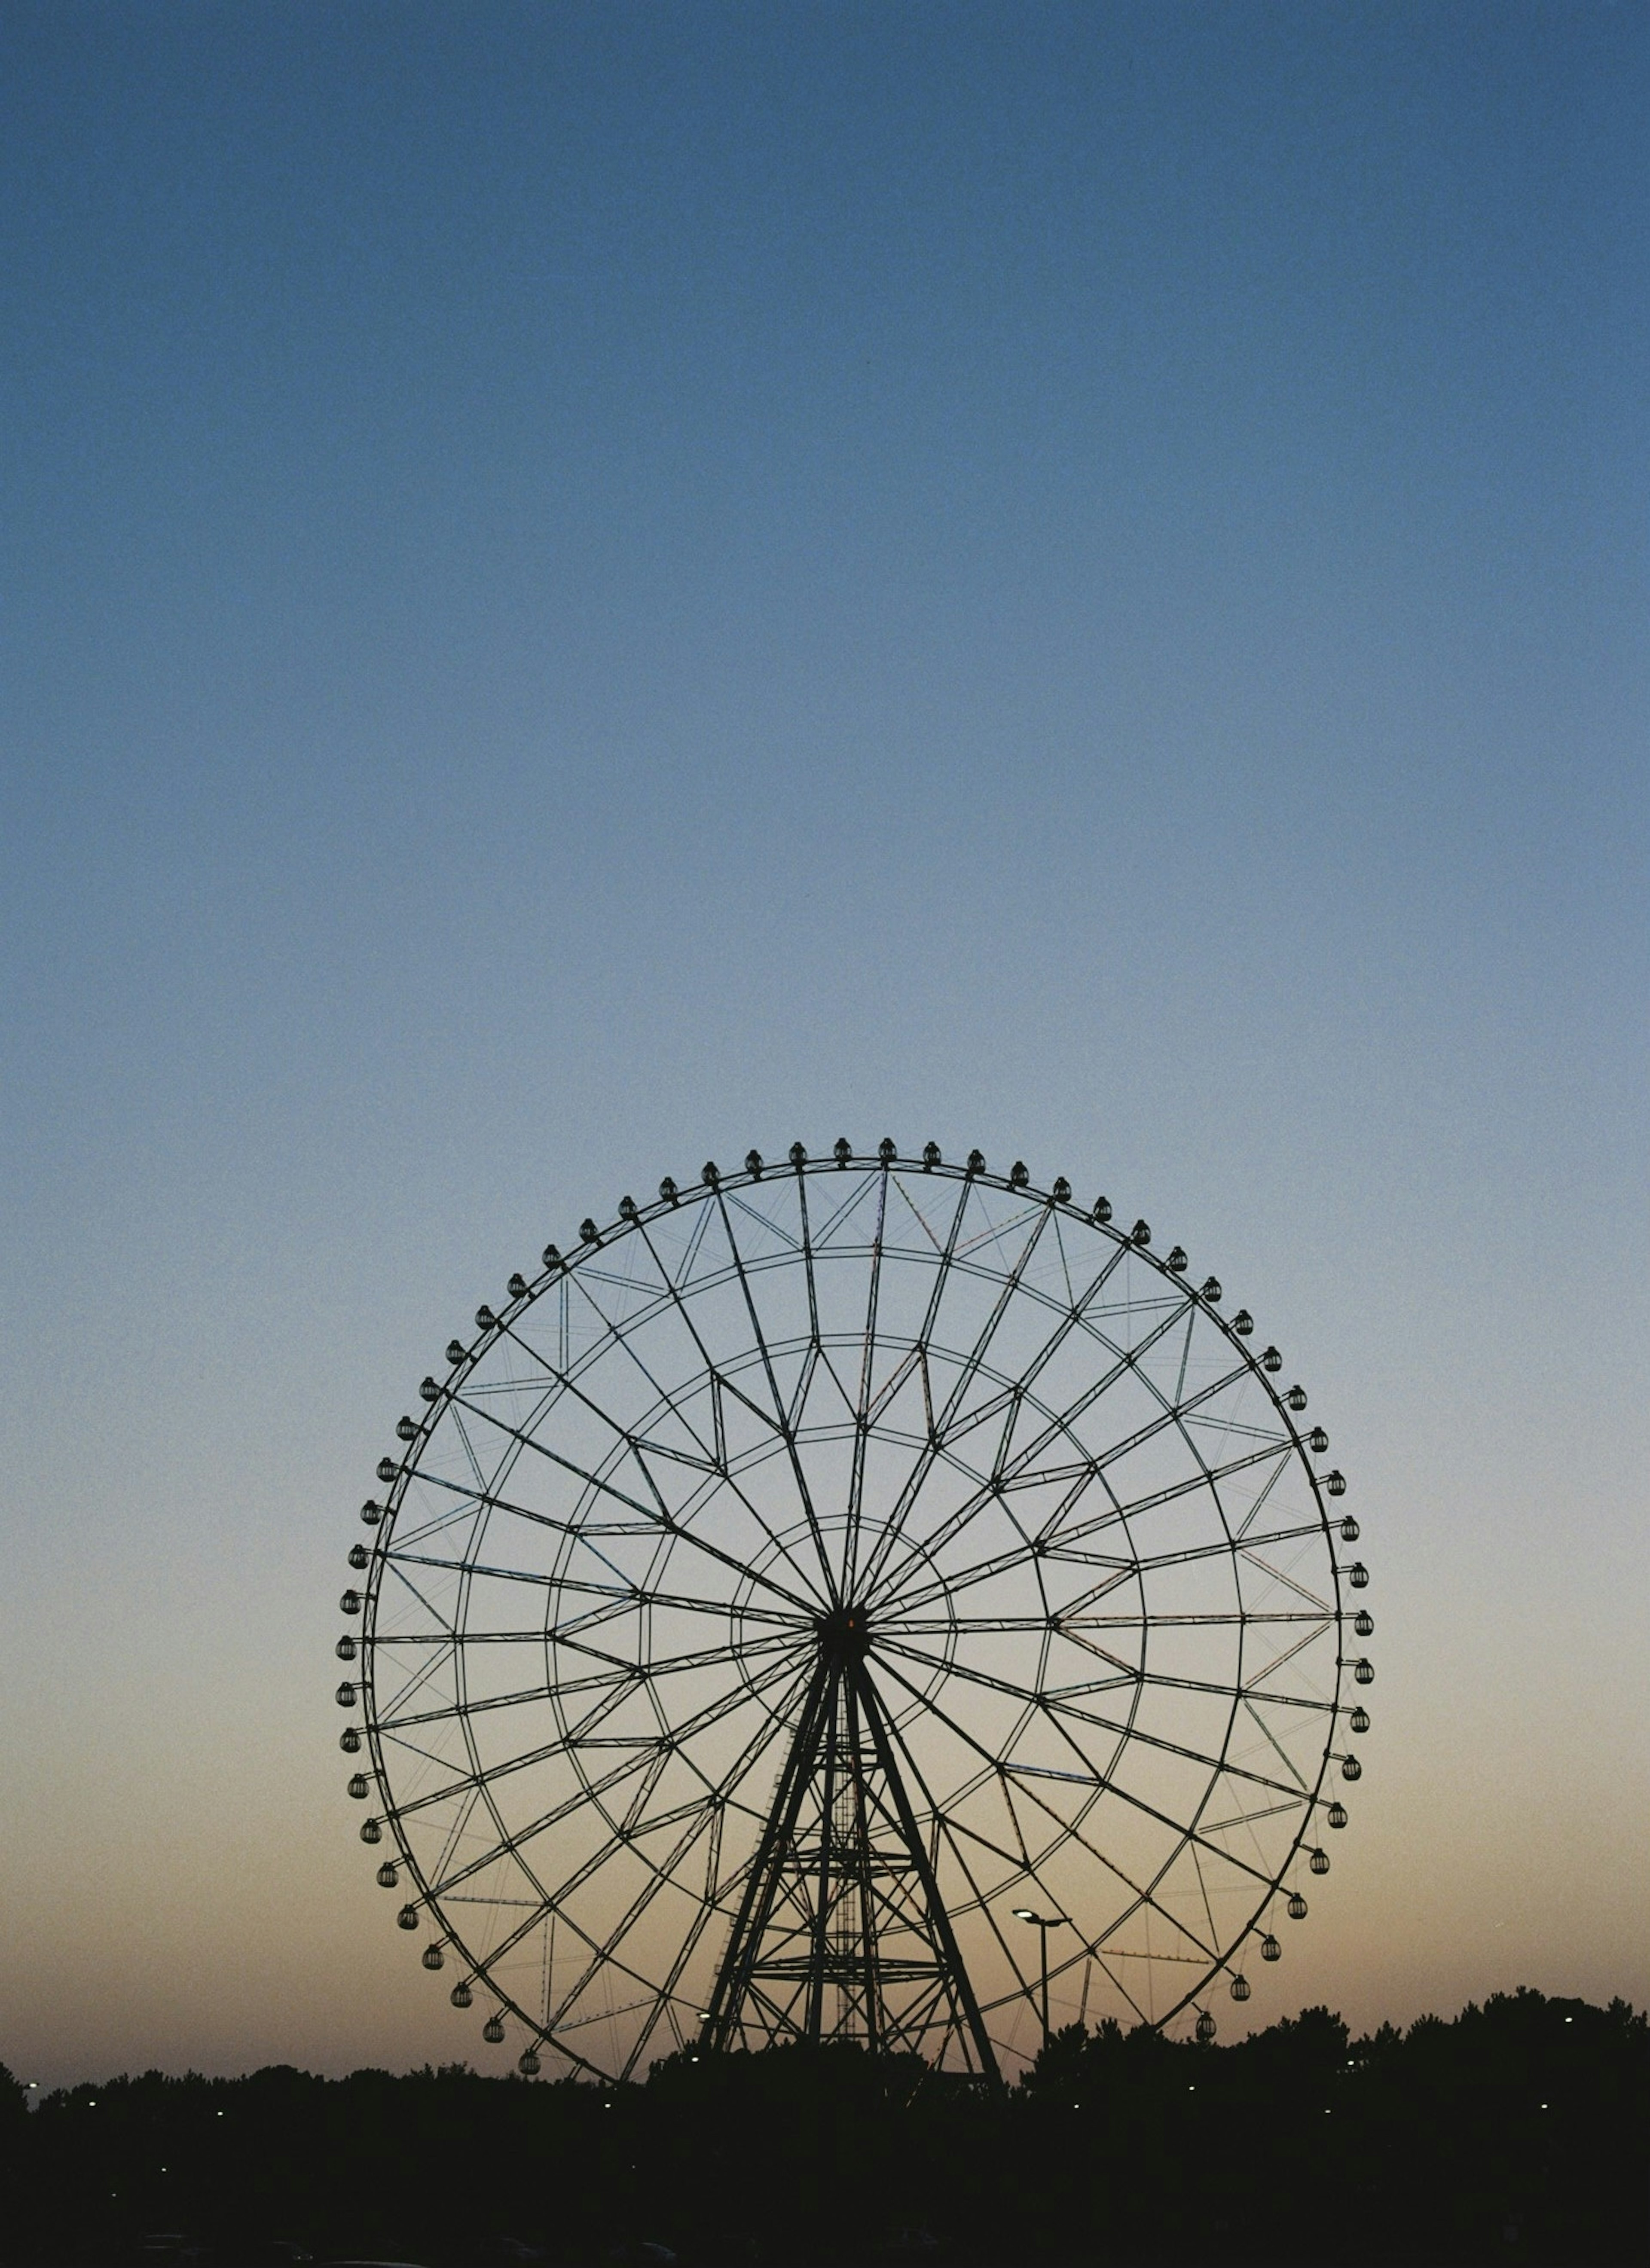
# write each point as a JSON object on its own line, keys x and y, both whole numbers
{"x": 587, "y": 587}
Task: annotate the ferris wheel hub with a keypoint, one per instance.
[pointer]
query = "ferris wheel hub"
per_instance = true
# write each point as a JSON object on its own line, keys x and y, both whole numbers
{"x": 844, "y": 1634}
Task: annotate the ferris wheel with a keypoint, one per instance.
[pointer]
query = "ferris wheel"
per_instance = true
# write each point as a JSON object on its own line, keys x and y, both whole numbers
{"x": 850, "y": 1598}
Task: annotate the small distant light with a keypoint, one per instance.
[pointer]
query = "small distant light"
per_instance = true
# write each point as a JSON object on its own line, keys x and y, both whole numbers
{"x": 1569, "y": 2020}
{"x": 1543, "y": 2106}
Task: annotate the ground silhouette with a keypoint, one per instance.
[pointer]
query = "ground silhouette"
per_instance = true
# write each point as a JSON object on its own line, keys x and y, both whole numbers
{"x": 1516, "y": 2133}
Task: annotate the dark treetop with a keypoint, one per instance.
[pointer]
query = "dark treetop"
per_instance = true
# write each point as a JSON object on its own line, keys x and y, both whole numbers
{"x": 1515, "y": 2133}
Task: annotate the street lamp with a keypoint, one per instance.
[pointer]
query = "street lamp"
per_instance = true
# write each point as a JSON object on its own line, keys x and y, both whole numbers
{"x": 1038, "y": 1923}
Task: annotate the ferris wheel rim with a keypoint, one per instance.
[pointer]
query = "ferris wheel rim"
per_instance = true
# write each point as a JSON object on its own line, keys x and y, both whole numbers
{"x": 715, "y": 1190}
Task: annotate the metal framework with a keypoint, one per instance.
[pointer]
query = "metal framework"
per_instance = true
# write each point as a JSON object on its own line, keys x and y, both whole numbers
{"x": 814, "y": 1564}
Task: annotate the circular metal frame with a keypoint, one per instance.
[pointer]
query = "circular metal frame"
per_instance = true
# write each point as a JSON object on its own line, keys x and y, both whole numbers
{"x": 811, "y": 1565}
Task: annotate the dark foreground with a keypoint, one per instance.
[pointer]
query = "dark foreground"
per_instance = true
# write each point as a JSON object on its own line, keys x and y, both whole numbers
{"x": 1516, "y": 2133}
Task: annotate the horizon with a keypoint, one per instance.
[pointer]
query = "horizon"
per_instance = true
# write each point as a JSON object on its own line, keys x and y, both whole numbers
{"x": 460, "y": 2067}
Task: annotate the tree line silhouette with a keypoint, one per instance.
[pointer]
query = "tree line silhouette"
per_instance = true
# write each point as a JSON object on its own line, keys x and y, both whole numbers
{"x": 1516, "y": 2133}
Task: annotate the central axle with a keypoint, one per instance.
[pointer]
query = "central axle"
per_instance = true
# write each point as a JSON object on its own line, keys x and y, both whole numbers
{"x": 844, "y": 1634}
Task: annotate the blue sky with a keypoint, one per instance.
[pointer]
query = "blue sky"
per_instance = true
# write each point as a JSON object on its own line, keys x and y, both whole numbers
{"x": 587, "y": 587}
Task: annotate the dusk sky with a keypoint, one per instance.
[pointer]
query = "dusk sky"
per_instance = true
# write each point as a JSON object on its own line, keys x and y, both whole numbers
{"x": 587, "y": 587}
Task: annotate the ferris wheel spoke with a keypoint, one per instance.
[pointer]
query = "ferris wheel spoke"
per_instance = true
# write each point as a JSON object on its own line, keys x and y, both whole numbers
{"x": 1020, "y": 1394}
{"x": 1016, "y": 1858}
{"x": 1063, "y": 1715}
{"x": 804, "y": 1227}
{"x": 1162, "y": 1681}
{"x": 619, "y": 1335}
{"x": 946, "y": 1426}
{"x": 457, "y": 1710}
{"x": 1017, "y": 1778}
{"x": 711, "y": 1713}
{"x": 472, "y": 1783}
{"x": 632, "y": 1596}
{"x": 471, "y": 1459}
{"x": 583, "y": 1735}
{"x": 792, "y": 1678}
{"x": 630, "y": 1826}
{"x": 1121, "y": 1989}
{"x": 947, "y": 1255}
{"x": 862, "y": 1405}
{"x": 1023, "y": 1474}
{"x": 1078, "y": 1634}
{"x": 666, "y": 2001}
{"x": 1221, "y": 1550}
{"x": 663, "y": 1523}
{"x": 713, "y": 1459}
{"x": 893, "y": 1613}
{"x": 679, "y": 1602}
{"x": 968, "y": 1371}
{"x": 624, "y": 1342}
{"x": 953, "y": 1837}
{"x": 721, "y": 1793}
{"x": 548, "y": 1906}
{"x": 628, "y": 1835}
{"x": 463, "y": 1638}
{"x": 482, "y": 1779}
{"x": 549, "y": 1901}
{"x": 816, "y": 1355}
{"x": 1124, "y": 1361}
{"x": 696, "y": 1815}
{"x": 573, "y": 1632}
{"x": 1115, "y": 1571}
{"x": 1110, "y": 1784}
{"x": 944, "y": 1249}
{"x": 1206, "y": 1477}
{"x": 478, "y": 1499}
{"x": 939, "y": 1921}
{"x": 512, "y": 1844}
{"x": 764, "y": 1222}
{"x": 1073, "y": 1626}
{"x": 719, "y": 1384}
{"x": 1032, "y": 1699}
{"x": 779, "y": 1418}
{"x": 659, "y": 1667}
{"x": 457, "y": 1827}
{"x": 436, "y": 1759}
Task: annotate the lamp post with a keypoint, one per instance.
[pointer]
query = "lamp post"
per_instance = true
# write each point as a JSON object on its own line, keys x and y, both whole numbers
{"x": 1042, "y": 1927}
